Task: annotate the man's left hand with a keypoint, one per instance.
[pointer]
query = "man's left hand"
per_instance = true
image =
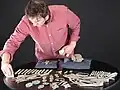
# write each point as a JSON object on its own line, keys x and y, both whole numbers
{"x": 67, "y": 50}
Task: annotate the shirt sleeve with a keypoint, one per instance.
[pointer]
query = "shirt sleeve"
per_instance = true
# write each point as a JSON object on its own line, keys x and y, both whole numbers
{"x": 15, "y": 39}
{"x": 73, "y": 22}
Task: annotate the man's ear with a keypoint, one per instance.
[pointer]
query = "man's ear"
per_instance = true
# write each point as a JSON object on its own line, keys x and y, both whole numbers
{"x": 47, "y": 17}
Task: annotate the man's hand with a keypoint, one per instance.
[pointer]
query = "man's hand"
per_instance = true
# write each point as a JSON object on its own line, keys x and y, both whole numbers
{"x": 7, "y": 69}
{"x": 5, "y": 65}
{"x": 68, "y": 49}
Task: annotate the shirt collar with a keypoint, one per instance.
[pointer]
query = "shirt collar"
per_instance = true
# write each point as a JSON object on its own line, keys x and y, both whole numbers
{"x": 51, "y": 16}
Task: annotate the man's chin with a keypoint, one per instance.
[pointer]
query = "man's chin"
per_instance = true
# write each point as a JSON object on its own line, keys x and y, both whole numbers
{"x": 37, "y": 25}
{"x": 41, "y": 24}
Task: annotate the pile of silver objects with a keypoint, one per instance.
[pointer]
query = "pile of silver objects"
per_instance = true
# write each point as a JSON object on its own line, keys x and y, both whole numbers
{"x": 95, "y": 78}
{"x": 57, "y": 79}
{"x": 30, "y": 74}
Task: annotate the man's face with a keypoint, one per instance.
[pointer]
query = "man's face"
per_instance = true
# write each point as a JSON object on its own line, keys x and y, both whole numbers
{"x": 38, "y": 21}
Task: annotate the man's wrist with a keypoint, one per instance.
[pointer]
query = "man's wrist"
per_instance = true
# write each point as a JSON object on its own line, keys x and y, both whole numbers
{"x": 5, "y": 62}
{"x": 5, "y": 58}
{"x": 73, "y": 43}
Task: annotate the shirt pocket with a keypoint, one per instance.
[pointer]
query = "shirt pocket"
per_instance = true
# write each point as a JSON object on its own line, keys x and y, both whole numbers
{"x": 59, "y": 33}
{"x": 61, "y": 28}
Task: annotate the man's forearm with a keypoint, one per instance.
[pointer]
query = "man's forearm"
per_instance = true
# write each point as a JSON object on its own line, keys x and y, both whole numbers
{"x": 6, "y": 58}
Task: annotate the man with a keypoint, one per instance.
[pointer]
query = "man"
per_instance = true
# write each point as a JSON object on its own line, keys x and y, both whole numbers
{"x": 48, "y": 27}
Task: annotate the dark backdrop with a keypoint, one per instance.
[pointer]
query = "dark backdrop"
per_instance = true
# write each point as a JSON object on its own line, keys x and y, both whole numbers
{"x": 99, "y": 33}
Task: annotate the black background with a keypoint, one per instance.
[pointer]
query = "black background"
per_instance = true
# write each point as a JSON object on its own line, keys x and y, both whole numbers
{"x": 99, "y": 33}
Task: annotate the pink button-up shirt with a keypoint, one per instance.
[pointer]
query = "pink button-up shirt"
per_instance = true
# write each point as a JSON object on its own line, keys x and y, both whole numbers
{"x": 48, "y": 38}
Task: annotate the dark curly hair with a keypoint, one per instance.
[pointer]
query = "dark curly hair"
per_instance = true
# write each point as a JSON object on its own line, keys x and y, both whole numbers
{"x": 37, "y": 8}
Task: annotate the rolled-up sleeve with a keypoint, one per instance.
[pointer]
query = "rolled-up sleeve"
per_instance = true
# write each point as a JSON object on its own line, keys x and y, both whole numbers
{"x": 15, "y": 39}
{"x": 74, "y": 24}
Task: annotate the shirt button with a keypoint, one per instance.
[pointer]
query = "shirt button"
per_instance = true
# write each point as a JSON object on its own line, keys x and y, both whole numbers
{"x": 53, "y": 49}
{"x": 46, "y": 25}
{"x": 49, "y": 34}
{"x": 51, "y": 43}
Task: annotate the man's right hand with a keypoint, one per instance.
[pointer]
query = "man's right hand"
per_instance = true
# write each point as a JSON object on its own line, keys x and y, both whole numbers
{"x": 7, "y": 69}
{"x": 6, "y": 66}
